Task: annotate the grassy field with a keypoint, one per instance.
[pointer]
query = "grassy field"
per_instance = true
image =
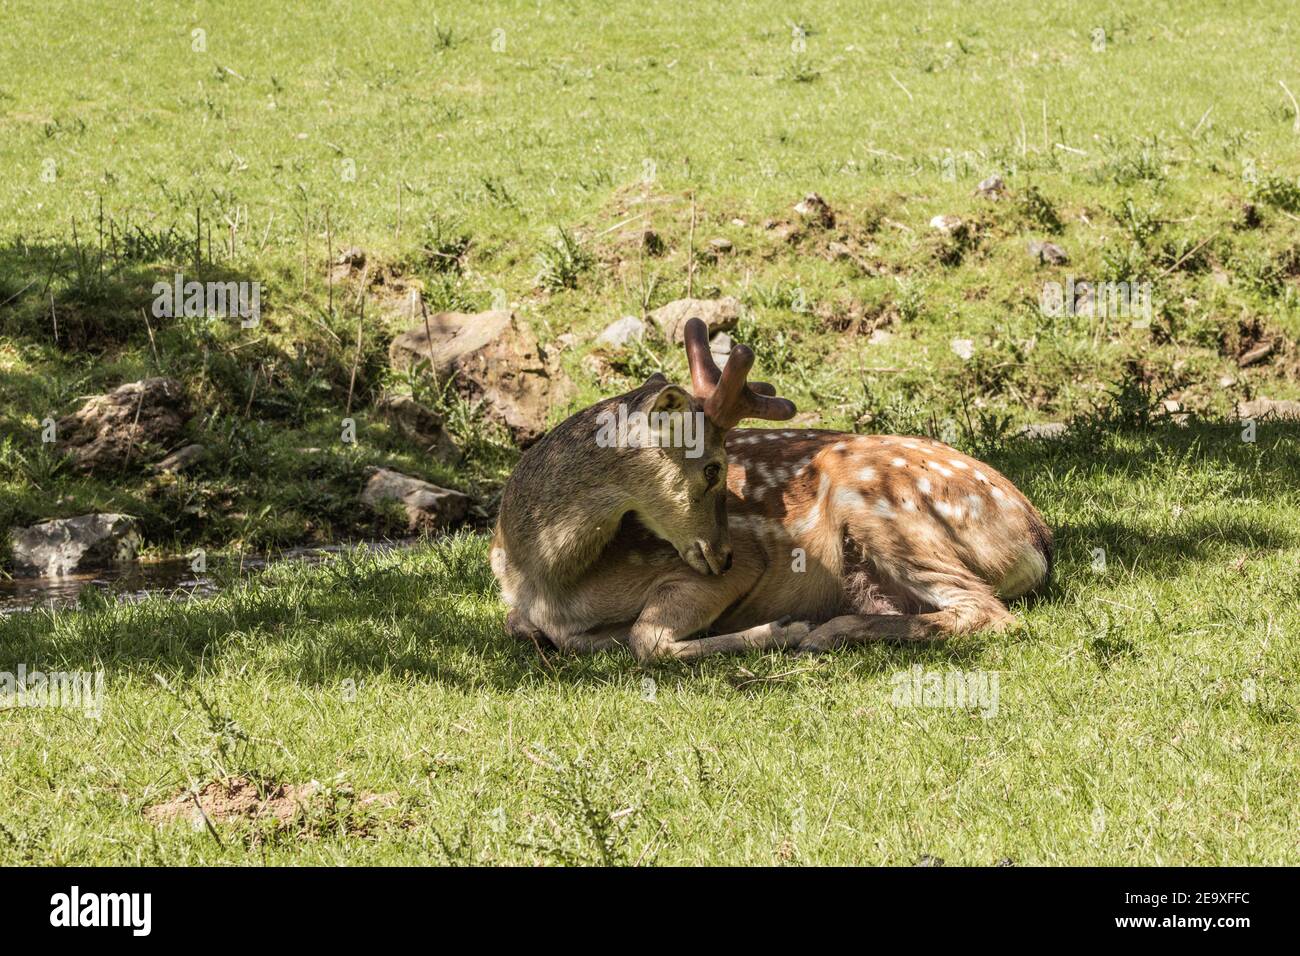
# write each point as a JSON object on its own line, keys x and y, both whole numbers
{"x": 1147, "y": 712}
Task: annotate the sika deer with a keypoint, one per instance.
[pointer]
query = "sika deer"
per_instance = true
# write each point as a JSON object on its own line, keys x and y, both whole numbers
{"x": 758, "y": 538}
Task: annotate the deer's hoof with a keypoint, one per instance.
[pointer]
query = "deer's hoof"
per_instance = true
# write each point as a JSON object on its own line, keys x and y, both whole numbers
{"x": 795, "y": 633}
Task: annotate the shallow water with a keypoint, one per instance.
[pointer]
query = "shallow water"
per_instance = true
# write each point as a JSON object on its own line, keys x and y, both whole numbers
{"x": 173, "y": 577}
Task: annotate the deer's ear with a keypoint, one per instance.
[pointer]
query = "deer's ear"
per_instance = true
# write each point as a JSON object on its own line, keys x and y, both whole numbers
{"x": 670, "y": 398}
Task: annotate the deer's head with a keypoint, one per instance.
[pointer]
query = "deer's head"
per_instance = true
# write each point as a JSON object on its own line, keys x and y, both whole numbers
{"x": 679, "y": 484}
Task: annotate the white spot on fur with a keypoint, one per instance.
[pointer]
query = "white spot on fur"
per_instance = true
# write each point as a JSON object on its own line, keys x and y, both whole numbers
{"x": 959, "y": 465}
{"x": 947, "y": 510}
{"x": 898, "y": 462}
{"x": 847, "y": 499}
{"x": 946, "y": 472}
{"x": 923, "y": 485}
{"x": 979, "y": 475}
{"x": 884, "y": 508}
{"x": 867, "y": 474}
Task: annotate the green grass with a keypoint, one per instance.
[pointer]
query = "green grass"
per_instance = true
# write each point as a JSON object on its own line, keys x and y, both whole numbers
{"x": 1146, "y": 713}
{"x": 521, "y": 171}
{"x": 1159, "y": 691}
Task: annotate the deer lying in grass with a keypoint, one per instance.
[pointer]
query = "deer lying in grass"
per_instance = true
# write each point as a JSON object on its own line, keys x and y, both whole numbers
{"x": 676, "y": 524}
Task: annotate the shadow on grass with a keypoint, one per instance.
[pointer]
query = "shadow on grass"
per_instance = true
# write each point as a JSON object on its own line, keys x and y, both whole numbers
{"x": 434, "y": 615}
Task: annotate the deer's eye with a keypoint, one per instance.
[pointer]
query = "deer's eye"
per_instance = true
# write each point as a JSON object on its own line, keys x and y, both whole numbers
{"x": 711, "y": 472}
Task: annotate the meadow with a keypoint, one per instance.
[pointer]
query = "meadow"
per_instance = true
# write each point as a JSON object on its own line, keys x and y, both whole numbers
{"x": 518, "y": 153}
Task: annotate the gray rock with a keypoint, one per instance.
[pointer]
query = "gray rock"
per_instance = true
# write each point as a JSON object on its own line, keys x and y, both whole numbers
{"x": 428, "y": 507}
{"x": 720, "y": 315}
{"x": 182, "y": 458}
{"x": 720, "y": 246}
{"x": 69, "y": 545}
{"x": 1285, "y": 408}
{"x": 418, "y": 425}
{"x": 128, "y": 423}
{"x": 1048, "y": 252}
{"x": 352, "y": 256}
{"x": 490, "y": 357}
{"x": 946, "y": 224}
{"x": 1043, "y": 431}
{"x": 720, "y": 348}
{"x": 1255, "y": 355}
{"x": 812, "y": 208}
{"x": 991, "y": 188}
{"x": 620, "y": 334}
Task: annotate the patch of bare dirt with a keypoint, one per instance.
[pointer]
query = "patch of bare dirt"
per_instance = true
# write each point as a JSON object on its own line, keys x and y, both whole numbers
{"x": 239, "y": 800}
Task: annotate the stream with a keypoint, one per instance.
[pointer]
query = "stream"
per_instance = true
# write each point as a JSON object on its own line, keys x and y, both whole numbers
{"x": 169, "y": 577}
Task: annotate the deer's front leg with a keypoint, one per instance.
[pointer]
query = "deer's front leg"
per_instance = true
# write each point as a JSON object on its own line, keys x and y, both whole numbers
{"x": 678, "y": 610}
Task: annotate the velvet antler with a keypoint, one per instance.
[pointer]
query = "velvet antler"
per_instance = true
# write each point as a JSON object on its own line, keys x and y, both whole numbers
{"x": 727, "y": 397}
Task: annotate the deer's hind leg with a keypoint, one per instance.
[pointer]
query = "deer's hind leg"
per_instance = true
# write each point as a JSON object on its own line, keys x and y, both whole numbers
{"x": 951, "y": 601}
{"x": 965, "y": 618}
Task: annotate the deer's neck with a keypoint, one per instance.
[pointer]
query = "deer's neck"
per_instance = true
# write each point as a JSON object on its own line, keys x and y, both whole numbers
{"x": 554, "y": 526}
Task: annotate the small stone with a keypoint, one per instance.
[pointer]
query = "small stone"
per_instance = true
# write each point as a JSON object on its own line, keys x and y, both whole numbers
{"x": 946, "y": 224}
{"x": 964, "y": 348}
{"x": 1048, "y": 252}
{"x": 182, "y": 458}
{"x": 418, "y": 425}
{"x": 621, "y": 333}
{"x": 720, "y": 348}
{"x": 1227, "y": 381}
{"x": 1042, "y": 431}
{"x": 1255, "y": 355}
{"x": 815, "y": 210}
{"x": 991, "y": 188}
{"x": 720, "y": 246}
{"x": 880, "y": 336}
{"x": 739, "y": 223}
{"x": 352, "y": 256}
{"x": 428, "y": 507}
